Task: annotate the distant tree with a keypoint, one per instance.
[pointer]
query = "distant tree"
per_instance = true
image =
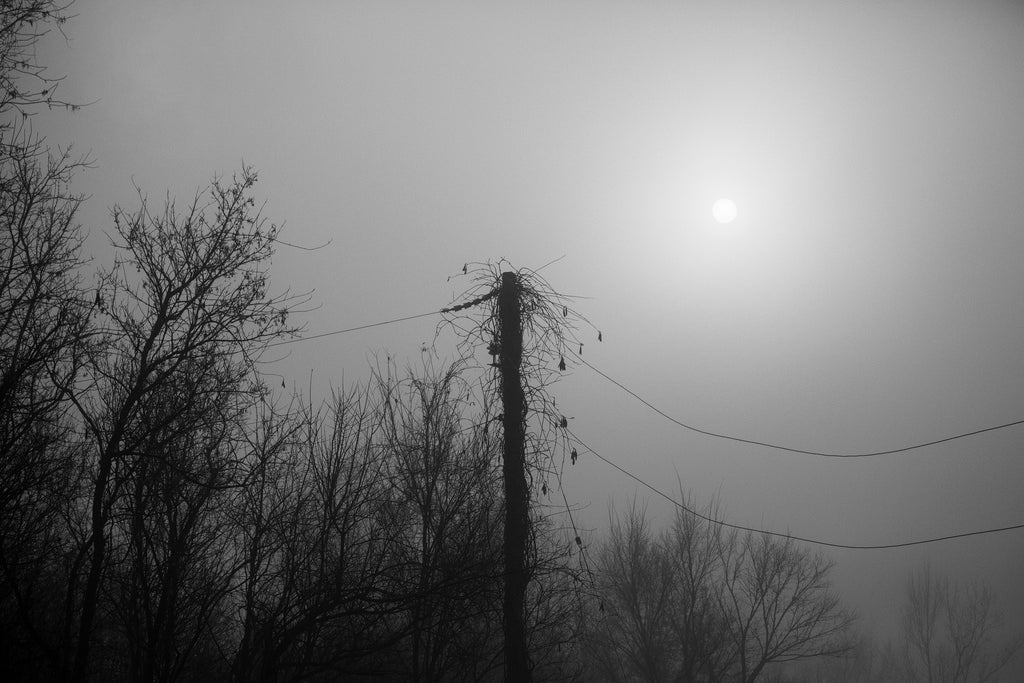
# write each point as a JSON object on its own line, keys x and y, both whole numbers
{"x": 701, "y": 604}
{"x": 865, "y": 662}
{"x": 700, "y": 627}
{"x": 951, "y": 631}
{"x": 630, "y": 638}
{"x": 779, "y": 604}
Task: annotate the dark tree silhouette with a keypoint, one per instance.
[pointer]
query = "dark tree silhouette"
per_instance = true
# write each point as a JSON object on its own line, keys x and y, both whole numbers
{"x": 186, "y": 316}
{"x": 25, "y": 84}
{"x": 44, "y": 335}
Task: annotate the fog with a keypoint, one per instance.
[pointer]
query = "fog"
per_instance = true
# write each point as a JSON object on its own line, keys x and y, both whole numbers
{"x": 866, "y": 298}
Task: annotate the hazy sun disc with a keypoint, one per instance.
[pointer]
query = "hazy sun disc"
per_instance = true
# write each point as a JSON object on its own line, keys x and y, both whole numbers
{"x": 724, "y": 210}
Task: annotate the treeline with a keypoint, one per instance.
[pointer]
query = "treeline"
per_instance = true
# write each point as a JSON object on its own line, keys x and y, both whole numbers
{"x": 163, "y": 516}
{"x": 161, "y": 519}
{"x": 166, "y": 516}
{"x": 699, "y": 602}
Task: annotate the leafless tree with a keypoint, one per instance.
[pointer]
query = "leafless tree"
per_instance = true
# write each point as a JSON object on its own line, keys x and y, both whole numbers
{"x": 44, "y": 333}
{"x": 866, "y": 661}
{"x": 444, "y": 469}
{"x": 318, "y": 553}
{"x": 186, "y": 297}
{"x": 779, "y": 603}
{"x": 44, "y": 323}
{"x": 171, "y": 562}
{"x": 631, "y": 637}
{"x": 698, "y": 603}
{"x": 25, "y": 84}
{"x": 952, "y": 630}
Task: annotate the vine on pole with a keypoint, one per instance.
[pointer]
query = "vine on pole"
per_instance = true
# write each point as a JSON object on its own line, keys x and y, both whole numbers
{"x": 528, "y": 332}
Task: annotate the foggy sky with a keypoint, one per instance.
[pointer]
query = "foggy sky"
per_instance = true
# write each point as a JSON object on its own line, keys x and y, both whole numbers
{"x": 868, "y": 296}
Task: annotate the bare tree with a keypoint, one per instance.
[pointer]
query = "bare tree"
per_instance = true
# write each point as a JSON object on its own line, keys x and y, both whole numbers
{"x": 701, "y": 604}
{"x": 952, "y": 631}
{"x": 865, "y": 662}
{"x": 443, "y": 466}
{"x": 318, "y": 552}
{"x": 44, "y": 323}
{"x": 700, "y": 628}
{"x": 25, "y": 84}
{"x": 44, "y": 329}
{"x": 779, "y": 603}
{"x": 186, "y": 297}
{"x": 631, "y": 637}
{"x": 171, "y": 561}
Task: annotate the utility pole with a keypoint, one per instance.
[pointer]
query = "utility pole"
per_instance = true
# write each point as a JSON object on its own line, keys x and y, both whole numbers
{"x": 517, "y": 522}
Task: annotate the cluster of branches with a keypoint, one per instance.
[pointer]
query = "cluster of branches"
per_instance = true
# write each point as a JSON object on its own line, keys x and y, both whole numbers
{"x": 700, "y": 603}
{"x": 25, "y": 84}
{"x": 550, "y": 336}
{"x": 161, "y": 520}
{"x": 950, "y": 631}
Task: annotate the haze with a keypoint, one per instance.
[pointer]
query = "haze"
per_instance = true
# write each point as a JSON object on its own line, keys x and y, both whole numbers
{"x": 867, "y": 297}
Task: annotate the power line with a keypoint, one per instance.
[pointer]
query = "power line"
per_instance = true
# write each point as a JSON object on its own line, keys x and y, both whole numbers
{"x": 829, "y": 544}
{"x": 451, "y": 309}
{"x": 354, "y": 329}
{"x": 728, "y": 437}
{"x": 822, "y": 454}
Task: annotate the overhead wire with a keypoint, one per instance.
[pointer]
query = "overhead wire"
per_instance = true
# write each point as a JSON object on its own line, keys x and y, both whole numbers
{"x": 718, "y": 435}
{"x": 450, "y": 309}
{"x": 354, "y": 329}
{"x": 790, "y": 449}
{"x": 777, "y": 534}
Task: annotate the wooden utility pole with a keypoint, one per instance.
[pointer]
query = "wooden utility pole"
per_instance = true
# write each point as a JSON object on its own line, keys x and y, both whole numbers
{"x": 517, "y": 521}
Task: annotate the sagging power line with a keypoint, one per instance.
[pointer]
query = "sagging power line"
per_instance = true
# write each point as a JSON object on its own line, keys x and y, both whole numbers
{"x": 662, "y": 413}
{"x": 791, "y": 449}
{"x": 814, "y": 541}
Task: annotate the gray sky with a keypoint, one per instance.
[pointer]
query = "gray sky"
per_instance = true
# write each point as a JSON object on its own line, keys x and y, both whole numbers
{"x": 868, "y": 296}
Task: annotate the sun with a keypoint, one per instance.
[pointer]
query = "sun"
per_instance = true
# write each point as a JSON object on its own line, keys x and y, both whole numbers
{"x": 724, "y": 210}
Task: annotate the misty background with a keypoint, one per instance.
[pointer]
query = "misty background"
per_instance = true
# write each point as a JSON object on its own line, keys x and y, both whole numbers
{"x": 867, "y": 297}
